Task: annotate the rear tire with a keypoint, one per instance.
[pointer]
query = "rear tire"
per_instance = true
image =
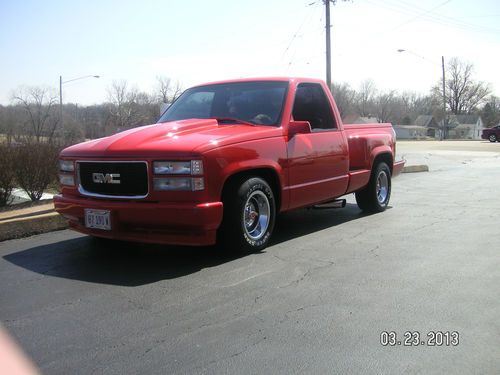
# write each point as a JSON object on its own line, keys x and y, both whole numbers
{"x": 492, "y": 138}
{"x": 249, "y": 216}
{"x": 375, "y": 196}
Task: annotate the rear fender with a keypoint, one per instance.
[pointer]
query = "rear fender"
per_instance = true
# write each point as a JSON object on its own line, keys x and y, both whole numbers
{"x": 382, "y": 153}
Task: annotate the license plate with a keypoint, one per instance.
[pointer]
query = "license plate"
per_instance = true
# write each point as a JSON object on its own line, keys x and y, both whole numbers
{"x": 98, "y": 219}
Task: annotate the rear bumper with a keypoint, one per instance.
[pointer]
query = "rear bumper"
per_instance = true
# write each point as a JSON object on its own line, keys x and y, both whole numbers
{"x": 149, "y": 222}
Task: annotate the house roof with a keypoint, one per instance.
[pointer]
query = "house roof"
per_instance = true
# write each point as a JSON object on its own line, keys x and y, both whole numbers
{"x": 424, "y": 120}
{"x": 464, "y": 119}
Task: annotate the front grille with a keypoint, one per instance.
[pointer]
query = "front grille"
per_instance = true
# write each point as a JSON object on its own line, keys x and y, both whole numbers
{"x": 132, "y": 177}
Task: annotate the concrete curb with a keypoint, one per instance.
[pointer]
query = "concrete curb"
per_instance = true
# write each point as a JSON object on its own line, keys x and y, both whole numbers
{"x": 416, "y": 168}
{"x": 19, "y": 223}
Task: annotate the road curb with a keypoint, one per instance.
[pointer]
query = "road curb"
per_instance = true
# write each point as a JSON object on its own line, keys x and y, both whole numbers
{"x": 416, "y": 168}
{"x": 20, "y": 224}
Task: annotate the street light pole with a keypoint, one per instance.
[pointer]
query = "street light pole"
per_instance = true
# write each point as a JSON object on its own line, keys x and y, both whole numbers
{"x": 61, "y": 82}
{"x": 443, "y": 134}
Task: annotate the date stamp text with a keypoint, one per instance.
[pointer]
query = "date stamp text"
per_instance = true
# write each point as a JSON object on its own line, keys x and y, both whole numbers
{"x": 415, "y": 338}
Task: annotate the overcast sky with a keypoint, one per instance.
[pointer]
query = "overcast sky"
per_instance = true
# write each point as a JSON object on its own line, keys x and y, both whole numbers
{"x": 199, "y": 41}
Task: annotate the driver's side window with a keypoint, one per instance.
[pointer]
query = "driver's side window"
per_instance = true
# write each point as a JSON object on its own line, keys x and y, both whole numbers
{"x": 311, "y": 104}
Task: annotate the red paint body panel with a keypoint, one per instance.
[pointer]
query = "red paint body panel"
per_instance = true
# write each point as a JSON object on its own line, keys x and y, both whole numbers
{"x": 305, "y": 169}
{"x": 366, "y": 141}
{"x": 358, "y": 179}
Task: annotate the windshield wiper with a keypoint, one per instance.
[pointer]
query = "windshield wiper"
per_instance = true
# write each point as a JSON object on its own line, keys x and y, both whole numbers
{"x": 230, "y": 120}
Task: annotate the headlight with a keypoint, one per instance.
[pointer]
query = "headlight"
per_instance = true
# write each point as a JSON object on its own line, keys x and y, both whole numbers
{"x": 67, "y": 179}
{"x": 66, "y": 165}
{"x": 192, "y": 167}
{"x": 179, "y": 184}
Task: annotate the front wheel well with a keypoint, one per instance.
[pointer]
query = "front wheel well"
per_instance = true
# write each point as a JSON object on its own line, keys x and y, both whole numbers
{"x": 267, "y": 174}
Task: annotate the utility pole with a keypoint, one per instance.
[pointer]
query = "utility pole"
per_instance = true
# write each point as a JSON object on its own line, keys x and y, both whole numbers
{"x": 443, "y": 133}
{"x": 328, "y": 46}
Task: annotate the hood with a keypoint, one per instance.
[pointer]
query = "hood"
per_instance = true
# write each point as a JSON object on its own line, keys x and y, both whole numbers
{"x": 177, "y": 138}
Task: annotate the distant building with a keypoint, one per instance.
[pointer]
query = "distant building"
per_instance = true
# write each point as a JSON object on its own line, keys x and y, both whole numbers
{"x": 430, "y": 123}
{"x": 465, "y": 127}
{"x": 410, "y": 131}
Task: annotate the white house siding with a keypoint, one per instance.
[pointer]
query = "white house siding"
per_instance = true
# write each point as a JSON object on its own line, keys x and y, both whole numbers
{"x": 410, "y": 132}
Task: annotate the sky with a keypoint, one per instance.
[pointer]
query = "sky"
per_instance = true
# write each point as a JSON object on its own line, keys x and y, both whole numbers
{"x": 200, "y": 41}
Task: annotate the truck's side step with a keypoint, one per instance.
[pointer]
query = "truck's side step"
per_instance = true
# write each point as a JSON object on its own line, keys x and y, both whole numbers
{"x": 337, "y": 203}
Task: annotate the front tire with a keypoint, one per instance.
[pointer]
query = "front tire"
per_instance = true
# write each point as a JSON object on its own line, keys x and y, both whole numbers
{"x": 375, "y": 196}
{"x": 492, "y": 138}
{"x": 249, "y": 216}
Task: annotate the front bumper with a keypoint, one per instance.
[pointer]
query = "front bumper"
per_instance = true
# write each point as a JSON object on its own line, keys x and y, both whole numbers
{"x": 192, "y": 224}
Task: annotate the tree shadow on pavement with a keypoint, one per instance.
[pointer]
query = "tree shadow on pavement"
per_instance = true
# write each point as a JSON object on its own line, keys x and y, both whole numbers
{"x": 132, "y": 264}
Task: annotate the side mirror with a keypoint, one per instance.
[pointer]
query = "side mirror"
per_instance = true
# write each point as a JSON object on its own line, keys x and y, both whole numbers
{"x": 298, "y": 127}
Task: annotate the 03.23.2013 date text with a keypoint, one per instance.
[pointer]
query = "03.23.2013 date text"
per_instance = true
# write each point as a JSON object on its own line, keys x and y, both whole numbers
{"x": 415, "y": 338}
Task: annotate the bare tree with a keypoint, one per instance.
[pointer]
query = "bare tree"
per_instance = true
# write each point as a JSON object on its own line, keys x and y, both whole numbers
{"x": 416, "y": 104}
{"x": 130, "y": 107}
{"x": 386, "y": 106}
{"x": 365, "y": 98}
{"x": 344, "y": 98}
{"x": 463, "y": 93}
{"x": 39, "y": 104}
{"x": 124, "y": 113}
{"x": 168, "y": 90}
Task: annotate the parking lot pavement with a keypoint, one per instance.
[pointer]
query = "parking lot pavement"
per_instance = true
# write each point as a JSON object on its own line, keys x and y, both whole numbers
{"x": 318, "y": 300}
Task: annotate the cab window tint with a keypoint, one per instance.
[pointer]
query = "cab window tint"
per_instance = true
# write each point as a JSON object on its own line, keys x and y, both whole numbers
{"x": 311, "y": 104}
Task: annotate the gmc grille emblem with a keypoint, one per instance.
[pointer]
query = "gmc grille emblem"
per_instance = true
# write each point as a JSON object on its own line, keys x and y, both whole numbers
{"x": 108, "y": 178}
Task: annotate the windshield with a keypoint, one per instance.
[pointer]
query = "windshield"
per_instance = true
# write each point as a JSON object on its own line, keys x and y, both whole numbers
{"x": 259, "y": 103}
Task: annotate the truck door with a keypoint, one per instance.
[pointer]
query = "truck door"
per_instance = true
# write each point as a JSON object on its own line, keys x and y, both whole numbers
{"x": 318, "y": 162}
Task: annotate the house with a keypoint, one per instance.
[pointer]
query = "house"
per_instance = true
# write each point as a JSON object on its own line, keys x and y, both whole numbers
{"x": 430, "y": 123}
{"x": 465, "y": 127}
{"x": 410, "y": 131}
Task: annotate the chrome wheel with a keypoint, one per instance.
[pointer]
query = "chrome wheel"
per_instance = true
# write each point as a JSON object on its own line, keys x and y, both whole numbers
{"x": 493, "y": 138}
{"x": 382, "y": 187}
{"x": 256, "y": 215}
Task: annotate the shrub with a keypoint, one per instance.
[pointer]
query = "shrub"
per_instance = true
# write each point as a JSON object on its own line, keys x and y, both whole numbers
{"x": 6, "y": 173}
{"x": 36, "y": 167}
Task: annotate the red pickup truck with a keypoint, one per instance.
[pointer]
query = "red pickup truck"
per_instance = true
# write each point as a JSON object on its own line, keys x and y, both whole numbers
{"x": 224, "y": 159}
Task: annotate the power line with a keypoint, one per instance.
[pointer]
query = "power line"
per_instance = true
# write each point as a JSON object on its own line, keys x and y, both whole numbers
{"x": 307, "y": 18}
{"x": 430, "y": 15}
{"x": 297, "y": 39}
{"x": 444, "y": 19}
{"x": 420, "y": 15}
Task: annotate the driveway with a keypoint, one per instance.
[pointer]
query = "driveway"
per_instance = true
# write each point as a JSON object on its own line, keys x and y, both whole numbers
{"x": 319, "y": 300}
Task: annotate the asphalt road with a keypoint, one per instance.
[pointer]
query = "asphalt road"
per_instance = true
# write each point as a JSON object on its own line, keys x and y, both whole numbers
{"x": 316, "y": 301}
